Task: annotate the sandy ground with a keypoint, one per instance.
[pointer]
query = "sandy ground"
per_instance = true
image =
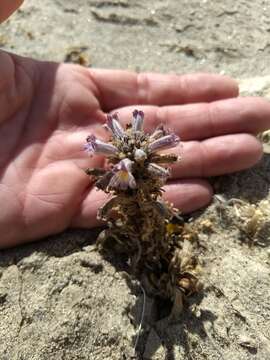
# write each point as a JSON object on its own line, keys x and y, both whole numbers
{"x": 58, "y": 298}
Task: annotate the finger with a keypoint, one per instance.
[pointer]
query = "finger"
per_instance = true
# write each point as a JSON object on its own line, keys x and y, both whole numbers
{"x": 121, "y": 88}
{"x": 216, "y": 156}
{"x": 187, "y": 195}
{"x": 87, "y": 214}
{"x": 204, "y": 120}
{"x": 7, "y": 7}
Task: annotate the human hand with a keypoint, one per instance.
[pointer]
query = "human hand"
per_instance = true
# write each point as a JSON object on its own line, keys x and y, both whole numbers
{"x": 48, "y": 110}
{"x": 7, "y": 7}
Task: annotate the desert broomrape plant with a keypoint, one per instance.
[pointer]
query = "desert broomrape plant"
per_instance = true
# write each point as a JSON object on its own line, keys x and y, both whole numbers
{"x": 140, "y": 223}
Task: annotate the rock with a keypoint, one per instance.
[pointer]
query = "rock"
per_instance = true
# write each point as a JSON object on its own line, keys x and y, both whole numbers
{"x": 248, "y": 343}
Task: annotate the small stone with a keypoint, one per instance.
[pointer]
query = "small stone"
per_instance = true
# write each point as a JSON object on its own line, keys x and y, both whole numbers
{"x": 78, "y": 55}
{"x": 247, "y": 342}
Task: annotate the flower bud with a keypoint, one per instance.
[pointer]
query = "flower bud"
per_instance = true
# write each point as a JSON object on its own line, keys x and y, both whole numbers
{"x": 139, "y": 155}
{"x": 164, "y": 142}
{"x": 115, "y": 127}
{"x": 94, "y": 145}
{"x": 137, "y": 122}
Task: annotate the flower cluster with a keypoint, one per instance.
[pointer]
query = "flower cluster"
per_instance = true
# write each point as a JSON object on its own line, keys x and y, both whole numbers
{"x": 133, "y": 153}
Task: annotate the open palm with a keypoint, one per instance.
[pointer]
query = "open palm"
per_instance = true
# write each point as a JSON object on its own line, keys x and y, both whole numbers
{"x": 48, "y": 109}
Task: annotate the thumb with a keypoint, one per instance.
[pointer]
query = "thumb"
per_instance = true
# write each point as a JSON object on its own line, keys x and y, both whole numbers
{"x": 7, "y": 7}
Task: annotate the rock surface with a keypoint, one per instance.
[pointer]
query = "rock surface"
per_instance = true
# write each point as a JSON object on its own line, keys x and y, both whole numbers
{"x": 59, "y": 299}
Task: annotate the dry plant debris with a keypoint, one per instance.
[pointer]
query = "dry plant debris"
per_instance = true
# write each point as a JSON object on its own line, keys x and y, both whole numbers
{"x": 253, "y": 219}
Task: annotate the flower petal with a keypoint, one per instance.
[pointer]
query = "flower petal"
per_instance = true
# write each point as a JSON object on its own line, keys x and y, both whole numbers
{"x": 88, "y": 147}
{"x": 125, "y": 165}
{"x": 115, "y": 127}
{"x": 164, "y": 142}
{"x": 94, "y": 145}
{"x": 137, "y": 121}
{"x": 122, "y": 180}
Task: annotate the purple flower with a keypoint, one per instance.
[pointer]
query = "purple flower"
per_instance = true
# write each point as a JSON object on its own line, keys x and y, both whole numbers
{"x": 158, "y": 171}
{"x": 115, "y": 127}
{"x": 137, "y": 121}
{"x": 164, "y": 142}
{"x": 94, "y": 145}
{"x": 123, "y": 178}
